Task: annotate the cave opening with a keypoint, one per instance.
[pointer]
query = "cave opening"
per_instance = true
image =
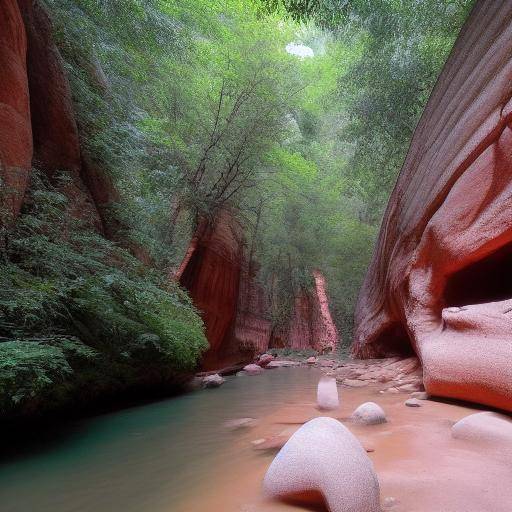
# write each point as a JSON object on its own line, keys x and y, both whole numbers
{"x": 393, "y": 341}
{"x": 487, "y": 280}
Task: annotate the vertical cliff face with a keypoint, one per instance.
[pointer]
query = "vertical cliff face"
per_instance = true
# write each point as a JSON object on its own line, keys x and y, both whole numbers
{"x": 440, "y": 281}
{"x": 310, "y": 326}
{"x": 15, "y": 126}
{"x": 211, "y": 274}
{"x": 252, "y": 326}
{"x": 37, "y": 121}
{"x": 325, "y": 335}
{"x": 223, "y": 284}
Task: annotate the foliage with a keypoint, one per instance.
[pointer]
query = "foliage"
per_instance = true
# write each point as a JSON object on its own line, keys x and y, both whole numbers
{"x": 61, "y": 278}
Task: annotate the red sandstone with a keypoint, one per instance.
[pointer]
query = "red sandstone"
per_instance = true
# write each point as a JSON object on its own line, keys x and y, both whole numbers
{"x": 439, "y": 280}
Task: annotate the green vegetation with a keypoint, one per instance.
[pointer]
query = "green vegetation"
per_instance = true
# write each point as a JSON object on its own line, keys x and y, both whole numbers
{"x": 191, "y": 106}
{"x": 78, "y": 312}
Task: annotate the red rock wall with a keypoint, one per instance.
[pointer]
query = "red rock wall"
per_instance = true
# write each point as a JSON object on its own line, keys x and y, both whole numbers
{"x": 325, "y": 335}
{"x": 252, "y": 327}
{"x": 37, "y": 122}
{"x": 311, "y": 326}
{"x": 441, "y": 280}
{"x": 15, "y": 125}
{"x": 212, "y": 276}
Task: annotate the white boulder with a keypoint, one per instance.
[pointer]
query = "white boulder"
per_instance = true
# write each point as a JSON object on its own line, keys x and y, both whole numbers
{"x": 253, "y": 369}
{"x": 324, "y": 456}
{"x": 327, "y": 394}
{"x": 369, "y": 413}
{"x": 213, "y": 381}
{"x": 488, "y": 427}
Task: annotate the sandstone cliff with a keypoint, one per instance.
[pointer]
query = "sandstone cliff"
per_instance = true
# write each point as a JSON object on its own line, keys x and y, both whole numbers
{"x": 222, "y": 281}
{"x": 439, "y": 282}
{"x": 37, "y": 121}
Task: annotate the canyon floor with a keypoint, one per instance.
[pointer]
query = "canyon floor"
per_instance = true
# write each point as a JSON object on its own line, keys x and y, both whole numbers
{"x": 183, "y": 454}
{"x": 420, "y": 467}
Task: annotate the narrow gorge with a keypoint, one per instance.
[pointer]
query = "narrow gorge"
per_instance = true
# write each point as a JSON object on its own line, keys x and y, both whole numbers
{"x": 254, "y": 255}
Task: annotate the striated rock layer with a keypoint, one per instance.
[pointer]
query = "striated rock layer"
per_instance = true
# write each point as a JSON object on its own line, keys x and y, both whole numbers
{"x": 440, "y": 281}
{"x": 15, "y": 125}
{"x": 311, "y": 325}
{"x": 38, "y": 128}
{"x": 222, "y": 281}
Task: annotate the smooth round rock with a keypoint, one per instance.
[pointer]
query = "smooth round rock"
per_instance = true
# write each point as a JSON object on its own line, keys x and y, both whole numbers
{"x": 488, "y": 427}
{"x": 324, "y": 456}
{"x": 369, "y": 413}
{"x": 412, "y": 402}
{"x": 264, "y": 359}
{"x": 213, "y": 381}
{"x": 327, "y": 394}
{"x": 253, "y": 369}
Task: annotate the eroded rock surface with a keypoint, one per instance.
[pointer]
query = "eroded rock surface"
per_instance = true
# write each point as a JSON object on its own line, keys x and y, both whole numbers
{"x": 440, "y": 281}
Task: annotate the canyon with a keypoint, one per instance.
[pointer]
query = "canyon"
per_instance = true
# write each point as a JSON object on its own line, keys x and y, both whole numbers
{"x": 222, "y": 280}
{"x": 439, "y": 281}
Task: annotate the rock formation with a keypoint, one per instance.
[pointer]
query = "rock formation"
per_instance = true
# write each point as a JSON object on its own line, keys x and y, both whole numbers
{"x": 369, "y": 413}
{"x": 327, "y": 397}
{"x": 222, "y": 280}
{"x": 324, "y": 458}
{"x": 440, "y": 281}
{"x": 485, "y": 427}
{"x": 310, "y": 325}
{"x": 212, "y": 275}
{"x": 15, "y": 126}
{"x": 38, "y": 128}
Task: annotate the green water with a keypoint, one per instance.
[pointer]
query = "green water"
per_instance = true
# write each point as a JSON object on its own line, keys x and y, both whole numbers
{"x": 147, "y": 458}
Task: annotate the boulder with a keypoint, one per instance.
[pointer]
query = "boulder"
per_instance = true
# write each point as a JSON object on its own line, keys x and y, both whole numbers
{"x": 311, "y": 360}
{"x": 213, "y": 381}
{"x": 327, "y": 394}
{"x": 438, "y": 283}
{"x": 324, "y": 457}
{"x": 253, "y": 369}
{"x": 264, "y": 359}
{"x": 369, "y": 413}
{"x": 488, "y": 427}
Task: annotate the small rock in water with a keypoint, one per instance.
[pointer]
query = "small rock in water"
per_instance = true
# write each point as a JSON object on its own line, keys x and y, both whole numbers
{"x": 264, "y": 359}
{"x": 488, "y": 427}
{"x": 327, "y": 394}
{"x": 369, "y": 413}
{"x": 324, "y": 456}
{"x": 420, "y": 395}
{"x": 272, "y": 443}
{"x": 253, "y": 369}
{"x": 213, "y": 381}
{"x": 240, "y": 423}
{"x": 311, "y": 360}
{"x": 413, "y": 402}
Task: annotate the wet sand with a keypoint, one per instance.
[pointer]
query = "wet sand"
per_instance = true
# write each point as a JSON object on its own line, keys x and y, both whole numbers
{"x": 417, "y": 461}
